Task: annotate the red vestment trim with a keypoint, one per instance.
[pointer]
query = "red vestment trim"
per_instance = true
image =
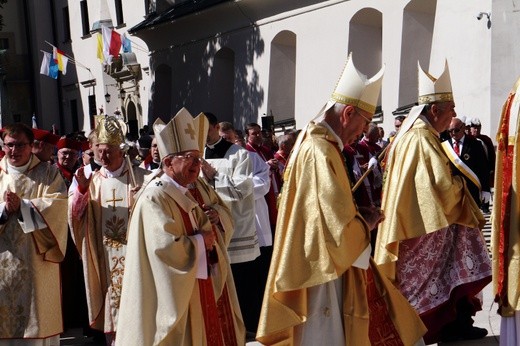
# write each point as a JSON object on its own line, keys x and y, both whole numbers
{"x": 381, "y": 328}
{"x": 505, "y": 215}
{"x": 223, "y": 306}
{"x": 66, "y": 173}
{"x": 207, "y": 299}
{"x": 225, "y": 316}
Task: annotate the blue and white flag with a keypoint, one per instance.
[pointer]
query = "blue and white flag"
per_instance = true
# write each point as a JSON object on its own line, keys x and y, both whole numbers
{"x": 49, "y": 66}
{"x": 127, "y": 44}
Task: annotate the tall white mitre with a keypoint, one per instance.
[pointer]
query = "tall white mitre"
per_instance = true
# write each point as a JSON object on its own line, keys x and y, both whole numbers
{"x": 355, "y": 89}
{"x": 181, "y": 134}
{"x": 433, "y": 89}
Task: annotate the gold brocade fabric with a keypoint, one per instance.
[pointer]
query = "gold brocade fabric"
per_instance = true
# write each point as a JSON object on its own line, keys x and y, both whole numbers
{"x": 420, "y": 195}
{"x": 508, "y": 141}
{"x": 30, "y": 293}
{"x": 160, "y": 304}
{"x": 319, "y": 235}
{"x": 100, "y": 236}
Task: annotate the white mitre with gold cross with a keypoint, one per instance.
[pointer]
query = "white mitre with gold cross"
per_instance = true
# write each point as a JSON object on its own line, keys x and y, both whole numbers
{"x": 355, "y": 89}
{"x": 433, "y": 89}
{"x": 180, "y": 134}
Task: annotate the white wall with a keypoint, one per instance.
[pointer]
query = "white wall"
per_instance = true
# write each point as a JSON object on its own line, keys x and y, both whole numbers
{"x": 482, "y": 61}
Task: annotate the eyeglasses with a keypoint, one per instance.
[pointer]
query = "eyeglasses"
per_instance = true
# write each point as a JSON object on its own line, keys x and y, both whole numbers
{"x": 89, "y": 153}
{"x": 455, "y": 130}
{"x": 368, "y": 121}
{"x": 194, "y": 158}
{"x": 14, "y": 145}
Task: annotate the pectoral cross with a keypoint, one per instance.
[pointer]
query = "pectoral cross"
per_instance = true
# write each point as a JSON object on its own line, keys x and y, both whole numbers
{"x": 114, "y": 200}
{"x": 190, "y": 131}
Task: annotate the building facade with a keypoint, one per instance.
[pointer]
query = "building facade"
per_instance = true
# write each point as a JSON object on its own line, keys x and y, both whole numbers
{"x": 69, "y": 102}
{"x": 243, "y": 59}
{"x": 248, "y": 58}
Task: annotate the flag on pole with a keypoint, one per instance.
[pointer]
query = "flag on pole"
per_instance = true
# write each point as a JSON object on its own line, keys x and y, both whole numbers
{"x": 49, "y": 66}
{"x": 127, "y": 44}
{"x": 115, "y": 43}
{"x": 60, "y": 59}
{"x": 109, "y": 44}
{"x": 100, "y": 55}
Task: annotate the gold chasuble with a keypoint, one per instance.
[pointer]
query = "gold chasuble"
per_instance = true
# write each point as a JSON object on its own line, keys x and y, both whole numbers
{"x": 429, "y": 196}
{"x": 98, "y": 220}
{"x": 30, "y": 252}
{"x": 161, "y": 300}
{"x": 506, "y": 211}
{"x": 319, "y": 235}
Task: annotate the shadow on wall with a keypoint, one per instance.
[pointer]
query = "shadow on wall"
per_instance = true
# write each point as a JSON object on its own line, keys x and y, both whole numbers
{"x": 216, "y": 75}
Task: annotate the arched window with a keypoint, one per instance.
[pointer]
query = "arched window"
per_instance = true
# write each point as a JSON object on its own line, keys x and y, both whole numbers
{"x": 221, "y": 86}
{"x": 282, "y": 76}
{"x": 418, "y": 23}
{"x": 366, "y": 41}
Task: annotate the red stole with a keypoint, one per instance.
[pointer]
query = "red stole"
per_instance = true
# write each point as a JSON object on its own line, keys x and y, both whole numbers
{"x": 207, "y": 299}
{"x": 505, "y": 215}
{"x": 224, "y": 322}
{"x": 68, "y": 175}
{"x": 381, "y": 328}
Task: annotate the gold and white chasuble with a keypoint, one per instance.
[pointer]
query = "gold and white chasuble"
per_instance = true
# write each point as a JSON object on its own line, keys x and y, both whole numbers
{"x": 98, "y": 219}
{"x": 161, "y": 300}
{"x": 30, "y": 252}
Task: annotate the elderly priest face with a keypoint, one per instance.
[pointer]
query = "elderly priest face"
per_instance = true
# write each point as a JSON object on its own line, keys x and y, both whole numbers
{"x": 183, "y": 167}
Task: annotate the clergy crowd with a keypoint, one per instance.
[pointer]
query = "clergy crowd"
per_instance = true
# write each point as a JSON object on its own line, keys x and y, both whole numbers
{"x": 202, "y": 234}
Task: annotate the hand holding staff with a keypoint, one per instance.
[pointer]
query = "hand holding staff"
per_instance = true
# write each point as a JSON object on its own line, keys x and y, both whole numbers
{"x": 370, "y": 168}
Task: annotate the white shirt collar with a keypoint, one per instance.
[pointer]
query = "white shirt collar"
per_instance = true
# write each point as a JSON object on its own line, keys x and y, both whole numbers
{"x": 166, "y": 178}
{"x": 211, "y": 146}
{"x": 115, "y": 173}
{"x": 19, "y": 169}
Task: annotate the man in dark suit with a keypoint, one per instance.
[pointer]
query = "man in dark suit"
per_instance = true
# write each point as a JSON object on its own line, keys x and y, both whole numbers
{"x": 472, "y": 153}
